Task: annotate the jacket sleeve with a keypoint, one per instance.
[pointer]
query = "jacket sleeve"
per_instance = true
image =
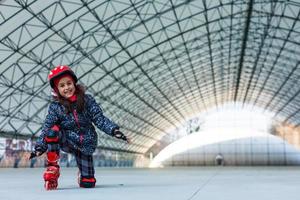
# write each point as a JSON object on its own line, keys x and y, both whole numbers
{"x": 50, "y": 121}
{"x": 96, "y": 113}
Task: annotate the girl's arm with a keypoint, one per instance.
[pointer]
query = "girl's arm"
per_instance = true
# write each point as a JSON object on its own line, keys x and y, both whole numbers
{"x": 96, "y": 113}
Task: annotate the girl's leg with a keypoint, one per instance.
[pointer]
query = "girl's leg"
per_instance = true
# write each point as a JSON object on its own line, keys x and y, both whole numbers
{"x": 51, "y": 173}
{"x": 85, "y": 164}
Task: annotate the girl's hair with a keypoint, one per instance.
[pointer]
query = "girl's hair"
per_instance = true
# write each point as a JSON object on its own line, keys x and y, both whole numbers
{"x": 80, "y": 91}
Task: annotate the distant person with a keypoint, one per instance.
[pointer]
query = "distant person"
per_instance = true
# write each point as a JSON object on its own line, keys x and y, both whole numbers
{"x": 219, "y": 160}
{"x": 69, "y": 126}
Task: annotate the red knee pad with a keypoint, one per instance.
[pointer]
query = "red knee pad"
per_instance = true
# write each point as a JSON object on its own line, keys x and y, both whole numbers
{"x": 51, "y": 139}
{"x": 52, "y": 135}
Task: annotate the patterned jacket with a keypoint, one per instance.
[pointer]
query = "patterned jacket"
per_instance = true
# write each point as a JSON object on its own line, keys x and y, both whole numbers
{"x": 76, "y": 127}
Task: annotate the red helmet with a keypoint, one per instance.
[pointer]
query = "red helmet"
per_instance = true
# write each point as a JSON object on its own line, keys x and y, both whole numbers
{"x": 59, "y": 71}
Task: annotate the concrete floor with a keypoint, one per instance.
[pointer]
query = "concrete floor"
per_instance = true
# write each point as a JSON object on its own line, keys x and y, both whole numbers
{"x": 203, "y": 183}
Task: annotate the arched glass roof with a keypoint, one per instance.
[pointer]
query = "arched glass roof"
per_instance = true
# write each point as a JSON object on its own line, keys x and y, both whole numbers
{"x": 150, "y": 64}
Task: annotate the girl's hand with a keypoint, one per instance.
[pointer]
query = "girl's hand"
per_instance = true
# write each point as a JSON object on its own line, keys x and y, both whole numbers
{"x": 37, "y": 152}
{"x": 118, "y": 134}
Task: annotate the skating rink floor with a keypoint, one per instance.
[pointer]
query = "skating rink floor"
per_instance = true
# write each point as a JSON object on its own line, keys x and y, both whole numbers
{"x": 201, "y": 183}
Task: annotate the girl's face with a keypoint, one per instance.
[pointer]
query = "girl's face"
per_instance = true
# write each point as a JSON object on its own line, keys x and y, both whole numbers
{"x": 66, "y": 87}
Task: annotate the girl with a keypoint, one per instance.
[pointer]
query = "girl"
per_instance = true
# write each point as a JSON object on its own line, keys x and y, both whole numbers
{"x": 69, "y": 126}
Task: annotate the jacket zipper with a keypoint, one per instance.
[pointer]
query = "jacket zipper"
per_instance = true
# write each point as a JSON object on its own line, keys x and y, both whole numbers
{"x": 77, "y": 122}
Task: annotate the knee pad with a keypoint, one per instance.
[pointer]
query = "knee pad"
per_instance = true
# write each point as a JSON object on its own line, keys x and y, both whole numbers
{"x": 52, "y": 135}
{"x": 87, "y": 182}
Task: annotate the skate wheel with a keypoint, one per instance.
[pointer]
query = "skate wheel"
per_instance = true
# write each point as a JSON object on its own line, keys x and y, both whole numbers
{"x": 51, "y": 185}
